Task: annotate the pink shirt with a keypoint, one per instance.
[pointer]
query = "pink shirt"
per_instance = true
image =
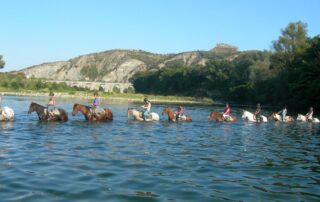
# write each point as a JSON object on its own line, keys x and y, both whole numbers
{"x": 180, "y": 110}
{"x": 227, "y": 111}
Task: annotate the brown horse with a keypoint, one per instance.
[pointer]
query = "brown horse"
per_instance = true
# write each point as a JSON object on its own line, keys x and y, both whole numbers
{"x": 90, "y": 116}
{"x": 276, "y": 117}
{"x": 219, "y": 117}
{"x": 43, "y": 115}
{"x": 172, "y": 115}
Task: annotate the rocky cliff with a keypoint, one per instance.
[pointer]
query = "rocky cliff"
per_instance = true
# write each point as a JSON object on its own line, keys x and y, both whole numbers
{"x": 115, "y": 65}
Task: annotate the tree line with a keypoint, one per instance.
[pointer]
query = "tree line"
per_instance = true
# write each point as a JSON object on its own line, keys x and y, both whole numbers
{"x": 18, "y": 82}
{"x": 286, "y": 75}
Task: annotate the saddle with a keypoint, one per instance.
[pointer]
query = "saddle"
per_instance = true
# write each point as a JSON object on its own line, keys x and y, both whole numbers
{"x": 146, "y": 117}
{"x": 97, "y": 111}
{"x": 52, "y": 112}
{"x": 179, "y": 117}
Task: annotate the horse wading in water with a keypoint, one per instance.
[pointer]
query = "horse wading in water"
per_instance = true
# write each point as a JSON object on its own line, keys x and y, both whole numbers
{"x": 219, "y": 117}
{"x": 251, "y": 118}
{"x": 172, "y": 115}
{"x": 304, "y": 119}
{"x": 43, "y": 114}
{"x": 276, "y": 117}
{"x": 137, "y": 115}
{"x": 6, "y": 114}
{"x": 89, "y": 115}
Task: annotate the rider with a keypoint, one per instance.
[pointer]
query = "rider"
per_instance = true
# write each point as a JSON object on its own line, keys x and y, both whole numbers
{"x": 257, "y": 113}
{"x": 227, "y": 111}
{"x": 146, "y": 108}
{"x": 309, "y": 115}
{"x": 284, "y": 113}
{"x": 51, "y": 104}
{"x": 179, "y": 112}
{"x": 95, "y": 103}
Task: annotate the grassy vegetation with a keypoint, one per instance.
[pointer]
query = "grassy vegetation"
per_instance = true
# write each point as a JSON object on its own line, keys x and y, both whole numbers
{"x": 156, "y": 98}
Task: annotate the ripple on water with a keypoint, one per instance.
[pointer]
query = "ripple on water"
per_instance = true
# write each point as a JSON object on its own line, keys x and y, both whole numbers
{"x": 126, "y": 160}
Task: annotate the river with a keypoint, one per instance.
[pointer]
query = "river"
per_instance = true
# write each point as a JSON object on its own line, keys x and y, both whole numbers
{"x": 126, "y": 160}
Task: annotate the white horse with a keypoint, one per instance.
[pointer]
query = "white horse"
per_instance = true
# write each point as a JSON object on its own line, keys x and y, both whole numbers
{"x": 304, "y": 119}
{"x": 137, "y": 115}
{"x": 250, "y": 117}
{"x": 6, "y": 114}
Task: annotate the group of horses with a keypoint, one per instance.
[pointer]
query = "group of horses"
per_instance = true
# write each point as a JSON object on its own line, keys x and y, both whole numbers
{"x": 59, "y": 114}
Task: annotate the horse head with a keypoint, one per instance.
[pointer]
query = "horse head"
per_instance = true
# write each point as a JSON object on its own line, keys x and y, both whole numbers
{"x": 31, "y": 107}
{"x": 275, "y": 117}
{"x": 166, "y": 110}
{"x": 247, "y": 115}
{"x": 76, "y": 109}
{"x": 244, "y": 114}
{"x": 129, "y": 113}
{"x": 209, "y": 117}
{"x": 212, "y": 116}
{"x": 301, "y": 118}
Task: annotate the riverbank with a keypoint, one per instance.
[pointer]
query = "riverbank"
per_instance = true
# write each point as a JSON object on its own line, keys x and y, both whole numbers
{"x": 124, "y": 97}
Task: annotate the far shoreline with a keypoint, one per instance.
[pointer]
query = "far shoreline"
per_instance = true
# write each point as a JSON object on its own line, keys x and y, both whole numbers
{"x": 124, "y": 97}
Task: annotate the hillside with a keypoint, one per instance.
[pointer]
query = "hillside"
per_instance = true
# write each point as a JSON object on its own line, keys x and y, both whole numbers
{"x": 118, "y": 65}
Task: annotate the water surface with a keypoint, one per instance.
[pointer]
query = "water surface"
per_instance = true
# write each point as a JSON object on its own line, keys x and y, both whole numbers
{"x": 125, "y": 160}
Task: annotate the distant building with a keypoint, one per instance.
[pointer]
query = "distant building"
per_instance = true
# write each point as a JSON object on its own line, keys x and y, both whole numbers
{"x": 224, "y": 48}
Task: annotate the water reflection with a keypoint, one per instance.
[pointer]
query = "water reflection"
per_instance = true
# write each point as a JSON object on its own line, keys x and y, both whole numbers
{"x": 6, "y": 125}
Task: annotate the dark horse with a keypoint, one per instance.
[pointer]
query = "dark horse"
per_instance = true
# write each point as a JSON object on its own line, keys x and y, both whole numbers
{"x": 87, "y": 112}
{"x": 45, "y": 116}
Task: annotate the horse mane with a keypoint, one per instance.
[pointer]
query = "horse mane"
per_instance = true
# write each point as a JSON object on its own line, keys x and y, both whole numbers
{"x": 86, "y": 106}
{"x": 34, "y": 103}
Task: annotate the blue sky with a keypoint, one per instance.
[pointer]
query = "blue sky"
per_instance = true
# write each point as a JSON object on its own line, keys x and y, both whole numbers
{"x": 38, "y": 31}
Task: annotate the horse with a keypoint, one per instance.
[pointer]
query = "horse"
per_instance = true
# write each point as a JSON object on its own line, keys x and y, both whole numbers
{"x": 107, "y": 114}
{"x": 304, "y": 119}
{"x": 248, "y": 116}
{"x": 173, "y": 117}
{"x": 137, "y": 115}
{"x": 6, "y": 114}
{"x": 43, "y": 114}
{"x": 219, "y": 117}
{"x": 276, "y": 117}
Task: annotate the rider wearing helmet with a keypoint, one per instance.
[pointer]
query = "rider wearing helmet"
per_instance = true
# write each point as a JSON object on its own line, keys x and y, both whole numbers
{"x": 146, "y": 108}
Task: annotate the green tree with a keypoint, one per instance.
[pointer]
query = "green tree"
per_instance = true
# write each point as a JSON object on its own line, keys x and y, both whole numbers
{"x": 293, "y": 41}
{"x": 2, "y": 63}
{"x": 304, "y": 81}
